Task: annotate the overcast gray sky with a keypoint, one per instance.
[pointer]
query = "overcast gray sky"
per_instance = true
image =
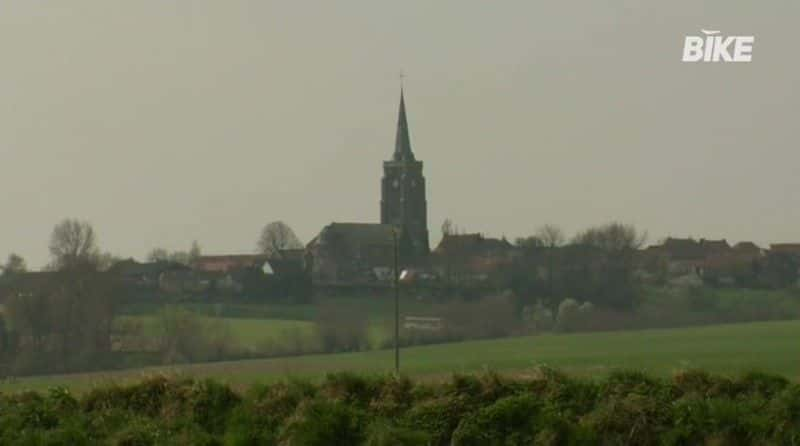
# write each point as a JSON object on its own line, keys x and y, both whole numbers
{"x": 162, "y": 122}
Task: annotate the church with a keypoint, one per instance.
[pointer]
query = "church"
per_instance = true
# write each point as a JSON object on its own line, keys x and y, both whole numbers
{"x": 364, "y": 252}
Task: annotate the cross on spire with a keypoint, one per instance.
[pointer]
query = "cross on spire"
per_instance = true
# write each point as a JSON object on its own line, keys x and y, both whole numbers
{"x": 402, "y": 143}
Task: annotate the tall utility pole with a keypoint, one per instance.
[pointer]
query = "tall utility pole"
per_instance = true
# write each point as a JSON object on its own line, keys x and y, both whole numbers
{"x": 396, "y": 307}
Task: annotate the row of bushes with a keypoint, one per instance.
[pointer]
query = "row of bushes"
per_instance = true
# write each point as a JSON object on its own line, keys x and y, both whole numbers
{"x": 667, "y": 308}
{"x": 187, "y": 336}
{"x": 547, "y": 408}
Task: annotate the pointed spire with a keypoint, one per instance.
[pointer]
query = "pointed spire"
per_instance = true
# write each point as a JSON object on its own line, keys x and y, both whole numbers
{"x": 402, "y": 143}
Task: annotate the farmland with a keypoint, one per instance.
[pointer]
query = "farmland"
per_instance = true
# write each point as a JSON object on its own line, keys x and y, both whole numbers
{"x": 246, "y": 331}
{"x": 726, "y": 349}
{"x": 252, "y": 325}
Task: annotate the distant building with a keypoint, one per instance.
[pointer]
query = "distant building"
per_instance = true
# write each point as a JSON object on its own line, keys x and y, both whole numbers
{"x": 351, "y": 252}
{"x": 364, "y": 252}
{"x": 688, "y": 256}
{"x": 227, "y": 263}
{"x": 471, "y": 256}
{"x": 143, "y": 275}
{"x": 705, "y": 258}
{"x": 785, "y": 248}
{"x": 403, "y": 201}
{"x": 748, "y": 248}
{"x": 472, "y": 245}
{"x": 28, "y": 282}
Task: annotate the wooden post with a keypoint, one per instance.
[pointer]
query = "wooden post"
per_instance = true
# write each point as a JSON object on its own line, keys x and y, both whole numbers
{"x": 396, "y": 307}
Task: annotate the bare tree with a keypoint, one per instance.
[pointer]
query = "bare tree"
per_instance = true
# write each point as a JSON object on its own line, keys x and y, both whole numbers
{"x": 194, "y": 252}
{"x": 447, "y": 227}
{"x": 528, "y": 243}
{"x": 73, "y": 245}
{"x": 106, "y": 260}
{"x": 183, "y": 257}
{"x": 158, "y": 255}
{"x": 14, "y": 265}
{"x": 609, "y": 253}
{"x": 277, "y": 236}
{"x": 613, "y": 237}
{"x": 552, "y": 237}
{"x": 66, "y": 316}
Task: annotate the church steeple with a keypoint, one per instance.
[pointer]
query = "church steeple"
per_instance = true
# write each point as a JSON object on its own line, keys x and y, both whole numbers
{"x": 402, "y": 142}
{"x": 403, "y": 201}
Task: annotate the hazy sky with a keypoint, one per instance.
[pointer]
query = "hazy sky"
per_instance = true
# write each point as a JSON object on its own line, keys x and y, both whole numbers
{"x": 161, "y": 122}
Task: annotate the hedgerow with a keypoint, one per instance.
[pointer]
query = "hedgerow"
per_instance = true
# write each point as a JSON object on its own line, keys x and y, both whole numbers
{"x": 546, "y": 407}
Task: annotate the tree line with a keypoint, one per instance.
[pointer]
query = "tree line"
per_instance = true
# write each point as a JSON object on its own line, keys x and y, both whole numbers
{"x": 62, "y": 318}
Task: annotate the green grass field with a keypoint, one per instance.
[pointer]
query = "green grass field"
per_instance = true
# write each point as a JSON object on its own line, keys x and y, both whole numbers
{"x": 248, "y": 333}
{"x": 727, "y": 349}
{"x": 253, "y": 324}
{"x": 376, "y": 308}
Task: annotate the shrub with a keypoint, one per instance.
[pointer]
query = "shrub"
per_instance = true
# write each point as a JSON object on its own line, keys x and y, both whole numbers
{"x": 341, "y": 330}
{"x": 258, "y": 420}
{"x": 185, "y": 336}
{"x": 26, "y": 412}
{"x": 566, "y": 395}
{"x": 437, "y": 418}
{"x": 324, "y": 423}
{"x": 383, "y": 433}
{"x": 211, "y": 404}
{"x": 190, "y": 434}
{"x": 699, "y": 383}
{"x": 68, "y": 434}
{"x": 621, "y": 383}
{"x": 481, "y": 389}
{"x": 568, "y": 316}
{"x": 509, "y": 421}
{"x": 549, "y": 408}
{"x": 146, "y": 397}
{"x": 718, "y": 421}
{"x": 541, "y": 318}
{"x": 634, "y": 418}
{"x": 784, "y": 415}
{"x": 395, "y": 395}
{"x": 350, "y": 388}
{"x": 755, "y": 384}
{"x": 138, "y": 431}
{"x": 248, "y": 428}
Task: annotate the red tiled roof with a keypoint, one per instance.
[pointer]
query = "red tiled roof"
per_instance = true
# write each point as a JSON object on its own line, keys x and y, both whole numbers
{"x": 789, "y": 248}
{"x": 226, "y": 263}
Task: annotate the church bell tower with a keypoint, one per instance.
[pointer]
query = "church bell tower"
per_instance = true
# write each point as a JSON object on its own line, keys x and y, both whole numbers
{"x": 403, "y": 201}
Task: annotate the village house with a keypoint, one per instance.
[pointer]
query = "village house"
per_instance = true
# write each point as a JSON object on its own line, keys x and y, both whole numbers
{"x": 472, "y": 257}
{"x": 785, "y": 248}
{"x": 689, "y": 260}
{"x": 228, "y": 263}
{"x": 143, "y": 276}
{"x": 352, "y": 253}
{"x": 687, "y": 256}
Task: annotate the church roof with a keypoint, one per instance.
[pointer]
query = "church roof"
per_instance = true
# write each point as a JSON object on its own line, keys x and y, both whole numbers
{"x": 471, "y": 244}
{"x": 361, "y": 233}
{"x": 402, "y": 143}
